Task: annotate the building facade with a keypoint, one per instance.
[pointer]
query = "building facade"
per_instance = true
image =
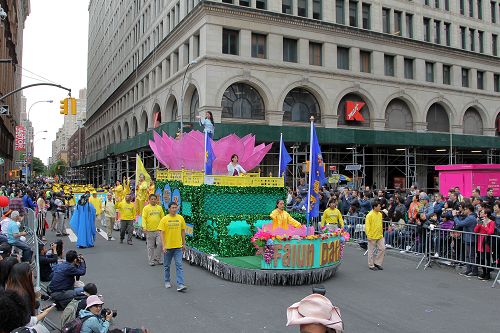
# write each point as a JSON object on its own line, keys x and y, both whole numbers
{"x": 11, "y": 47}
{"x": 395, "y": 86}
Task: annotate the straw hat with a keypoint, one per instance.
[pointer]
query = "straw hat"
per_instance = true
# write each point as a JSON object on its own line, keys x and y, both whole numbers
{"x": 315, "y": 309}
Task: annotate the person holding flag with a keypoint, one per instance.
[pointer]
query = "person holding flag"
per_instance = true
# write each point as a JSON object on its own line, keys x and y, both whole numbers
{"x": 316, "y": 176}
{"x": 141, "y": 185}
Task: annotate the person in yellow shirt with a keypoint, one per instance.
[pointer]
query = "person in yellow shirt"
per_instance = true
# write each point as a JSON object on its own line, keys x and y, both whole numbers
{"x": 71, "y": 204}
{"x": 109, "y": 214}
{"x": 97, "y": 203}
{"x": 118, "y": 190}
{"x": 375, "y": 234}
{"x": 126, "y": 186}
{"x": 141, "y": 193}
{"x": 173, "y": 239}
{"x": 127, "y": 218}
{"x": 332, "y": 216}
{"x": 281, "y": 218}
{"x": 151, "y": 217}
{"x": 151, "y": 189}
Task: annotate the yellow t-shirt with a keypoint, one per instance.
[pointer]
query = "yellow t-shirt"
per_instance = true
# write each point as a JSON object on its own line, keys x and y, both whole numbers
{"x": 118, "y": 193}
{"x": 72, "y": 201}
{"x": 332, "y": 216}
{"x": 172, "y": 226}
{"x": 374, "y": 225}
{"x": 127, "y": 210}
{"x": 281, "y": 219}
{"x": 142, "y": 191}
{"x": 97, "y": 203}
{"x": 151, "y": 216}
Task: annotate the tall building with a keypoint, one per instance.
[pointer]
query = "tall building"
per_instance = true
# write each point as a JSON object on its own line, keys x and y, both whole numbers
{"x": 11, "y": 54}
{"x": 71, "y": 124}
{"x": 394, "y": 86}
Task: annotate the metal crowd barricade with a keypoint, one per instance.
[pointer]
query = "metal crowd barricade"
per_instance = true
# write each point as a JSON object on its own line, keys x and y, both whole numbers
{"x": 407, "y": 238}
{"x": 33, "y": 241}
{"x": 456, "y": 247}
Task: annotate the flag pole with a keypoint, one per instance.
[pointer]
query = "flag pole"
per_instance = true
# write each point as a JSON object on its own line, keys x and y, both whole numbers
{"x": 281, "y": 146}
{"x": 310, "y": 177}
{"x": 205, "y": 155}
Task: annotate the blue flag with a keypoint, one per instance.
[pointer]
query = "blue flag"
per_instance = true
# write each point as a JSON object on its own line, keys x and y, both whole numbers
{"x": 316, "y": 176}
{"x": 209, "y": 155}
{"x": 285, "y": 158}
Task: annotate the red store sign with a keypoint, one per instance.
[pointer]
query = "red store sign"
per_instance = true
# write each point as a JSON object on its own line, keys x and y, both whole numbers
{"x": 20, "y": 138}
{"x": 353, "y": 111}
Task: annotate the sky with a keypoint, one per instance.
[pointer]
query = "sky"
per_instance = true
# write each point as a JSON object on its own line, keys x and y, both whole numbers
{"x": 54, "y": 47}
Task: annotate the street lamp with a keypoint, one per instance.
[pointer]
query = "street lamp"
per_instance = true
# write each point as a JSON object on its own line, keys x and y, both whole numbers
{"x": 45, "y": 131}
{"x": 194, "y": 62}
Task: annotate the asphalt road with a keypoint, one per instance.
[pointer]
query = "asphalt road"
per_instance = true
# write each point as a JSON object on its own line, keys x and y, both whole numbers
{"x": 398, "y": 299}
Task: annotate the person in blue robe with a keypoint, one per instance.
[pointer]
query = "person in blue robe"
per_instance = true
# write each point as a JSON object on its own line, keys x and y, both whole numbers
{"x": 83, "y": 223}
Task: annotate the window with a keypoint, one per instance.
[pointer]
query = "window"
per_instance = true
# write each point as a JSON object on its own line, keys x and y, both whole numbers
{"x": 317, "y": 10}
{"x": 447, "y": 5}
{"x": 494, "y": 45}
{"x": 462, "y": 7}
{"x": 436, "y": 3}
{"x": 386, "y": 20}
{"x": 446, "y": 74}
{"x": 427, "y": 29}
{"x": 465, "y": 77}
{"x": 261, "y": 4}
{"x": 481, "y": 41}
{"x": 463, "y": 38}
{"x": 397, "y": 22}
{"x": 471, "y": 8}
{"x": 245, "y": 3}
{"x": 496, "y": 82}
{"x": 302, "y": 8}
{"x": 242, "y": 101}
{"x": 230, "y": 41}
{"x": 289, "y": 50}
{"x": 493, "y": 7}
{"x": 408, "y": 68}
{"x": 286, "y": 7}
{"x": 339, "y": 12}
{"x": 471, "y": 39}
{"x": 480, "y": 9}
{"x": 429, "y": 71}
{"x": 259, "y": 46}
{"x": 228, "y": 1}
{"x": 366, "y": 16}
{"x": 299, "y": 105}
{"x": 342, "y": 57}
{"x": 409, "y": 25}
{"x": 426, "y": 2}
{"x": 389, "y": 65}
{"x": 480, "y": 80}
{"x": 315, "y": 54}
{"x": 365, "y": 61}
{"x": 437, "y": 32}
{"x": 447, "y": 34}
{"x": 353, "y": 13}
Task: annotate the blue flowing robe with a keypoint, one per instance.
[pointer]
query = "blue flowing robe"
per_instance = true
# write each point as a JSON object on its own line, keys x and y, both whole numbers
{"x": 83, "y": 225}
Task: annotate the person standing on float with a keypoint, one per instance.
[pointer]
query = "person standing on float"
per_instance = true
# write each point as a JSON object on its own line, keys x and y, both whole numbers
{"x": 233, "y": 168}
{"x": 208, "y": 124}
{"x": 281, "y": 218}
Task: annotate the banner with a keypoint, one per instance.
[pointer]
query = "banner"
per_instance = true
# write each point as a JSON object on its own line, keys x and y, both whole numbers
{"x": 353, "y": 111}
{"x": 20, "y": 138}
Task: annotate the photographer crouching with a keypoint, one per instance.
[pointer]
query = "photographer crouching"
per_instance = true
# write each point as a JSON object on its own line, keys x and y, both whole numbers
{"x": 95, "y": 318}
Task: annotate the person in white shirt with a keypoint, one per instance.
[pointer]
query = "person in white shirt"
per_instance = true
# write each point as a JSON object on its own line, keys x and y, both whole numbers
{"x": 233, "y": 168}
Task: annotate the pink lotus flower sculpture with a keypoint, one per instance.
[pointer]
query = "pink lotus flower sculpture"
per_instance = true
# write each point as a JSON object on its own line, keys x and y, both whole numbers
{"x": 291, "y": 231}
{"x": 188, "y": 152}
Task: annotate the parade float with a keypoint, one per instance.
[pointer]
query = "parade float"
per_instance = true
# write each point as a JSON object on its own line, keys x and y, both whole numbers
{"x": 229, "y": 228}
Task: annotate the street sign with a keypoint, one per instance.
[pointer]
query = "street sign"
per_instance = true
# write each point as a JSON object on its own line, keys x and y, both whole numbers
{"x": 2, "y": 161}
{"x": 4, "y": 110}
{"x": 20, "y": 162}
{"x": 353, "y": 167}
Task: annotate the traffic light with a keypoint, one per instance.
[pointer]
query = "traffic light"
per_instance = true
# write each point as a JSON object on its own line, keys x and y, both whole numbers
{"x": 72, "y": 105}
{"x": 64, "y": 107}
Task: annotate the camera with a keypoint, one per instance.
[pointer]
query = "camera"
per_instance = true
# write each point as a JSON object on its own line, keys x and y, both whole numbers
{"x": 3, "y": 14}
{"x": 106, "y": 311}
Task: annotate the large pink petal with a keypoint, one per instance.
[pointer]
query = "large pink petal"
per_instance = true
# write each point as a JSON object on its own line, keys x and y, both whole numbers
{"x": 248, "y": 143}
{"x": 256, "y": 158}
{"x": 152, "y": 144}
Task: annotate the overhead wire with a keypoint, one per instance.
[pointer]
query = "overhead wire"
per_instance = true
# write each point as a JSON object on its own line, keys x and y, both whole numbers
{"x": 27, "y": 70}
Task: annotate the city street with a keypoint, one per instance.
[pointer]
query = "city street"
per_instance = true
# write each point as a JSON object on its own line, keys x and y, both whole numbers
{"x": 398, "y": 299}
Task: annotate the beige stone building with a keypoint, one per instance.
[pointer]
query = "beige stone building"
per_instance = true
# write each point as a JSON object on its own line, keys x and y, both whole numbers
{"x": 396, "y": 86}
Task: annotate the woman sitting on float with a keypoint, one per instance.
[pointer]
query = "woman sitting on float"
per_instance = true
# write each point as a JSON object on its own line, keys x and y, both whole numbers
{"x": 233, "y": 168}
{"x": 281, "y": 218}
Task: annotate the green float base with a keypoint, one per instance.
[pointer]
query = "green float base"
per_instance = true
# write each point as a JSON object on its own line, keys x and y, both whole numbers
{"x": 247, "y": 270}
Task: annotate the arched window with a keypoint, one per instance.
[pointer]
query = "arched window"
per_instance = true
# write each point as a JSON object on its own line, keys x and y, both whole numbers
{"x": 127, "y": 132}
{"x": 194, "y": 106}
{"x": 175, "y": 112}
{"x": 437, "y": 119}
{"x": 242, "y": 101}
{"x": 119, "y": 134}
{"x": 144, "y": 122}
{"x": 299, "y": 105}
{"x": 497, "y": 125}
{"x": 398, "y": 115}
{"x": 156, "y": 116}
{"x": 347, "y": 107}
{"x": 135, "y": 128}
{"x": 473, "y": 124}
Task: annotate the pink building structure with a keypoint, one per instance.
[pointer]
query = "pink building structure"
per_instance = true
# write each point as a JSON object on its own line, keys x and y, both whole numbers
{"x": 469, "y": 177}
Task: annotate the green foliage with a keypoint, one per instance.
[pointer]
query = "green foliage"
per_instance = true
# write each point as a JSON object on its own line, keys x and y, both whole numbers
{"x": 58, "y": 168}
{"x": 38, "y": 167}
{"x": 211, "y": 225}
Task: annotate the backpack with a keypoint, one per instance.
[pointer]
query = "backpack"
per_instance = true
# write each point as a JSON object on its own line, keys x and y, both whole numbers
{"x": 75, "y": 326}
{"x": 69, "y": 312}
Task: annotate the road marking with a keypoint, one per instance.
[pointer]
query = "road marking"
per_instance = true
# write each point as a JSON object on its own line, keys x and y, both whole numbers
{"x": 105, "y": 235}
{"x": 72, "y": 237}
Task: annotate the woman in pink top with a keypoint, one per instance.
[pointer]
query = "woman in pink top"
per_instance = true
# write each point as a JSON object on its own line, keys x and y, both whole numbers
{"x": 485, "y": 226}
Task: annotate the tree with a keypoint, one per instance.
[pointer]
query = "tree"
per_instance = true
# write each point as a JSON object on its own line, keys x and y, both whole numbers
{"x": 38, "y": 167}
{"x": 58, "y": 168}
